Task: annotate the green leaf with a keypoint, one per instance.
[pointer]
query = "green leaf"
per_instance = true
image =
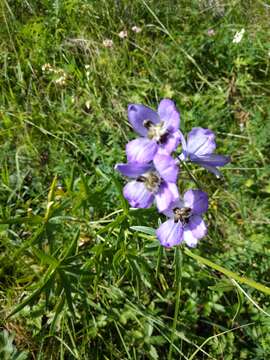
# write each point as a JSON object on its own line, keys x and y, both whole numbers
{"x": 40, "y": 287}
{"x": 119, "y": 189}
{"x": 224, "y": 285}
{"x": 144, "y": 229}
{"x": 229, "y": 273}
{"x": 113, "y": 224}
{"x": 71, "y": 249}
{"x": 65, "y": 280}
{"x": 45, "y": 258}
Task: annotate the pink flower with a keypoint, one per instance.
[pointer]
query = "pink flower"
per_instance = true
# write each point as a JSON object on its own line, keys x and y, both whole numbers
{"x": 123, "y": 34}
{"x": 136, "y": 29}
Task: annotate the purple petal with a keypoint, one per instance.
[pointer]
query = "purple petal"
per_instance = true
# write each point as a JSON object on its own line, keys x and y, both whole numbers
{"x": 171, "y": 143}
{"x": 197, "y": 200}
{"x": 174, "y": 191}
{"x": 212, "y": 169}
{"x": 170, "y": 233}
{"x": 166, "y": 166}
{"x": 169, "y": 212}
{"x": 137, "y": 195}
{"x": 175, "y": 204}
{"x": 184, "y": 154}
{"x": 168, "y": 113}
{"x": 211, "y": 159}
{"x": 163, "y": 197}
{"x": 201, "y": 141}
{"x": 137, "y": 114}
{"x": 194, "y": 230}
{"x": 141, "y": 150}
{"x": 133, "y": 170}
{"x": 189, "y": 238}
{"x": 183, "y": 140}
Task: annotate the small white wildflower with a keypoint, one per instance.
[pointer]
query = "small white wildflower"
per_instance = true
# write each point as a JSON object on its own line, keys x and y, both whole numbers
{"x": 47, "y": 67}
{"x": 88, "y": 104}
{"x": 59, "y": 71}
{"x": 87, "y": 67}
{"x": 210, "y": 32}
{"x": 87, "y": 74}
{"x": 123, "y": 34}
{"x": 61, "y": 80}
{"x": 238, "y": 36}
{"x": 136, "y": 29}
{"x": 108, "y": 43}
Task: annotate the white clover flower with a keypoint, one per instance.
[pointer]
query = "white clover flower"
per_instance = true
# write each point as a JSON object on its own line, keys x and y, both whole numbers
{"x": 238, "y": 36}
{"x": 61, "y": 80}
{"x": 136, "y": 29}
{"x": 123, "y": 34}
{"x": 47, "y": 67}
{"x": 210, "y": 32}
{"x": 108, "y": 43}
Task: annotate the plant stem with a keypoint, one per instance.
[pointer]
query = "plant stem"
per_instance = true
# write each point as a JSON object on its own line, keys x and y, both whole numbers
{"x": 160, "y": 254}
{"x": 178, "y": 278}
{"x": 191, "y": 175}
{"x": 229, "y": 273}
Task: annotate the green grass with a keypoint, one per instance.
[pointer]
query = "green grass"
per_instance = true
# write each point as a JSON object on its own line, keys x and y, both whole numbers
{"x": 79, "y": 277}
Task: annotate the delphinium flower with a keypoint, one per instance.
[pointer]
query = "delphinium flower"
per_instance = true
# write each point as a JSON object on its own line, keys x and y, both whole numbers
{"x": 185, "y": 223}
{"x": 151, "y": 181}
{"x": 159, "y": 131}
{"x": 153, "y": 171}
{"x": 200, "y": 147}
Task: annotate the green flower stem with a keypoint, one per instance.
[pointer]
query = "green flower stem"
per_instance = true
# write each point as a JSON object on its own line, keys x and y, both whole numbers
{"x": 229, "y": 273}
{"x": 160, "y": 254}
{"x": 178, "y": 279}
{"x": 193, "y": 178}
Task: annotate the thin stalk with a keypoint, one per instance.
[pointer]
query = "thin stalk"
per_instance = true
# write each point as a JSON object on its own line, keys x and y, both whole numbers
{"x": 178, "y": 279}
{"x": 160, "y": 254}
{"x": 229, "y": 273}
{"x": 193, "y": 178}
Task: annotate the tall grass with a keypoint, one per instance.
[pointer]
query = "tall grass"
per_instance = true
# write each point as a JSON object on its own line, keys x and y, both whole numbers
{"x": 82, "y": 276}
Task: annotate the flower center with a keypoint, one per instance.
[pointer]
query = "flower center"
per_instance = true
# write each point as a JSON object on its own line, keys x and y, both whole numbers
{"x": 182, "y": 214}
{"x": 151, "y": 181}
{"x": 157, "y": 132}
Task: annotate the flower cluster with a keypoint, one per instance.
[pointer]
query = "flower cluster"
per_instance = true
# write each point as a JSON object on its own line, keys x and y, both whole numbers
{"x": 154, "y": 171}
{"x": 61, "y": 76}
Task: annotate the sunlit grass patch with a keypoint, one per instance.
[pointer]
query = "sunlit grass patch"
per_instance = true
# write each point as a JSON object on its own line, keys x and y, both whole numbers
{"x": 85, "y": 276}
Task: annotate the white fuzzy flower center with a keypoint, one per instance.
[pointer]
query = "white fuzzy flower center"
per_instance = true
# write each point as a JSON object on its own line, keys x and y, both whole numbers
{"x": 151, "y": 181}
{"x": 156, "y": 132}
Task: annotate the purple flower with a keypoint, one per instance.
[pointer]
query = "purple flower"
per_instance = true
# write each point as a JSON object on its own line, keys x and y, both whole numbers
{"x": 152, "y": 181}
{"x": 185, "y": 223}
{"x": 158, "y": 130}
{"x": 199, "y": 149}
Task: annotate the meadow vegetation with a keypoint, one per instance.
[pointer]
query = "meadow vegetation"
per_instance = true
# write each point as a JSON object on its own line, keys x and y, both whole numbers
{"x": 82, "y": 276}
